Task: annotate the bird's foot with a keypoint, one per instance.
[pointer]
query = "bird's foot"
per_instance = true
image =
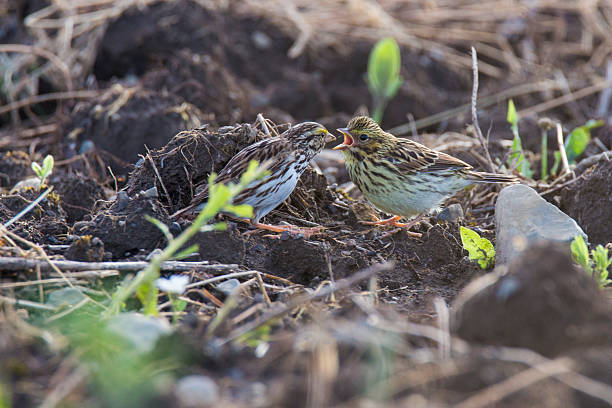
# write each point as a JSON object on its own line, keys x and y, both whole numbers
{"x": 291, "y": 229}
{"x": 394, "y": 221}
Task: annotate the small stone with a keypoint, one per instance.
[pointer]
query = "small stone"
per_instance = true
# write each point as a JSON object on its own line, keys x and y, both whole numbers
{"x": 228, "y": 286}
{"x": 151, "y": 193}
{"x": 452, "y": 213}
{"x": 524, "y": 218}
{"x": 65, "y": 296}
{"x": 175, "y": 228}
{"x": 261, "y": 40}
{"x": 122, "y": 201}
{"x": 196, "y": 391}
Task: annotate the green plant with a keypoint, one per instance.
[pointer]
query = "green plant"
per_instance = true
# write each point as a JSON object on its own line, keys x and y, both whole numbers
{"x": 43, "y": 172}
{"x": 479, "y": 249}
{"x": 383, "y": 77}
{"x": 517, "y": 156}
{"x": 220, "y": 198}
{"x": 576, "y": 143}
{"x": 596, "y": 264}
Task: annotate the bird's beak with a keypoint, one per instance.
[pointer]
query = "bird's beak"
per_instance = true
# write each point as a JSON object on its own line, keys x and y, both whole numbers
{"x": 330, "y": 138}
{"x": 348, "y": 140}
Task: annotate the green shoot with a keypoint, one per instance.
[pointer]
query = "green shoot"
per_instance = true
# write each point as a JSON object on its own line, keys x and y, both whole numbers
{"x": 384, "y": 77}
{"x": 219, "y": 199}
{"x": 479, "y": 249}
{"x": 43, "y": 172}
{"x": 597, "y": 264}
{"x": 544, "y": 150}
{"x": 576, "y": 143}
{"x": 517, "y": 156}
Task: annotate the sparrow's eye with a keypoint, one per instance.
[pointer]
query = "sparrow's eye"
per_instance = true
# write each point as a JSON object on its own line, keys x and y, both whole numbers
{"x": 363, "y": 137}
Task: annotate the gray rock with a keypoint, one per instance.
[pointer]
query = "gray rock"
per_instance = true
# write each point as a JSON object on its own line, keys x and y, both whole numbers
{"x": 524, "y": 218}
{"x": 196, "y": 391}
{"x": 228, "y": 286}
{"x": 452, "y": 213}
{"x": 141, "y": 331}
{"x": 65, "y": 296}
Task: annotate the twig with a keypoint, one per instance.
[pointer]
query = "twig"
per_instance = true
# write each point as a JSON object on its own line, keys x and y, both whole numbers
{"x": 562, "y": 148}
{"x": 168, "y": 197}
{"x": 264, "y": 126}
{"x": 262, "y": 288}
{"x": 28, "y": 208}
{"x": 340, "y": 285}
{"x": 477, "y": 130}
{"x": 53, "y": 96}
{"x": 27, "y": 303}
{"x": 18, "y": 264}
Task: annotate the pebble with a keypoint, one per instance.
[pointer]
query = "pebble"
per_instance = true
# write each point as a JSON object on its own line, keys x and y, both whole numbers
{"x": 142, "y": 332}
{"x": 523, "y": 218}
{"x": 196, "y": 391}
{"x": 452, "y": 213}
{"x": 228, "y": 286}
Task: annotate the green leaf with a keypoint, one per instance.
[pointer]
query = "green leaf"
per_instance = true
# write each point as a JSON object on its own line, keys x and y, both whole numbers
{"x": 383, "y": 77}
{"x": 48, "y": 165}
{"x": 579, "y": 138}
{"x": 580, "y": 253}
{"x": 186, "y": 252}
{"x": 242, "y": 210}
{"x": 479, "y": 249}
{"x": 147, "y": 294}
{"x": 512, "y": 116}
{"x": 179, "y": 305}
{"x": 557, "y": 162}
{"x": 37, "y": 169}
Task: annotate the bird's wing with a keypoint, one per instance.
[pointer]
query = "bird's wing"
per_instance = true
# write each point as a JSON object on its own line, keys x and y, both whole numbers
{"x": 269, "y": 152}
{"x": 414, "y": 157}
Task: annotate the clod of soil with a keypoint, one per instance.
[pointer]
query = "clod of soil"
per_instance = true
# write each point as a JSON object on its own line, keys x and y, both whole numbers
{"x": 123, "y": 121}
{"x": 87, "y": 249}
{"x": 42, "y": 224}
{"x": 545, "y": 303}
{"x": 78, "y": 195}
{"x": 14, "y": 167}
{"x": 124, "y": 228}
{"x": 188, "y": 159}
{"x": 589, "y": 202}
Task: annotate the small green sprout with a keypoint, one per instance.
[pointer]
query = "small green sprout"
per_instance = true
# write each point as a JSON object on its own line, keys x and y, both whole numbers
{"x": 597, "y": 264}
{"x": 517, "y": 156}
{"x": 43, "y": 172}
{"x": 479, "y": 249}
{"x": 384, "y": 77}
{"x": 576, "y": 143}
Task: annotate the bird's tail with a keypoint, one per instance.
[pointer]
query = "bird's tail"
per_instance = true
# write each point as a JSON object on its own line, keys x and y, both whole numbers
{"x": 481, "y": 177}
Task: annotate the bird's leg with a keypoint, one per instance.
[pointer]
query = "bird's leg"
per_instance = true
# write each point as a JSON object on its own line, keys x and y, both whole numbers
{"x": 291, "y": 229}
{"x": 393, "y": 221}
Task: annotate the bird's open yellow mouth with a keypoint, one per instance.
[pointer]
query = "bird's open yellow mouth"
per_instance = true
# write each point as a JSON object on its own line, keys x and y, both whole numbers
{"x": 348, "y": 140}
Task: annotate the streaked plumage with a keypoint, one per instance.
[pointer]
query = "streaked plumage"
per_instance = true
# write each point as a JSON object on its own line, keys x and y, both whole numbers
{"x": 285, "y": 157}
{"x": 403, "y": 177}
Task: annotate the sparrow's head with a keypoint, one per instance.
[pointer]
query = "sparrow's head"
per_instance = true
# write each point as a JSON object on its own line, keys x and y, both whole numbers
{"x": 363, "y": 135}
{"x": 309, "y": 137}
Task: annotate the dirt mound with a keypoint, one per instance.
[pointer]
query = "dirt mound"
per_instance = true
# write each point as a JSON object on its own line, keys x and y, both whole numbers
{"x": 42, "y": 224}
{"x": 589, "y": 202}
{"x": 543, "y": 303}
{"x": 124, "y": 228}
{"x": 122, "y": 122}
{"x": 188, "y": 159}
{"x": 14, "y": 167}
{"x": 78, "y": 195}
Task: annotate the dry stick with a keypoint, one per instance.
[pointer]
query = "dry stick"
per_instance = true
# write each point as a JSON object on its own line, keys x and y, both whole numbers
{"x": 484, "y": 102}
{"x": 54, "y": 96}
{"x": 28, "y": 208}
{"x": 481, "y": 138}
{"x": 341, "y": 284}
{"x": 17, "y": 264}
{"x": 264, "y": 126}
{"x": 158, "y": 176}
{"x": 562, "y": 147}
{"x": 495, "y": 393}
{"x": 29, "y": 49}
{"x": 262, "y": 288}
{"x": 562, "y": 100}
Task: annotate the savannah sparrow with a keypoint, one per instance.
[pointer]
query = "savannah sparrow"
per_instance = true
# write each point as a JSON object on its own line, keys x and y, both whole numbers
{"x": 402, "y": 177}
{"x": 285, "y": 158}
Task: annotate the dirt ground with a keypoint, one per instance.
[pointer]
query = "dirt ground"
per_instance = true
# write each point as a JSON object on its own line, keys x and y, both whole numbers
{"x": 173, "y": 93}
